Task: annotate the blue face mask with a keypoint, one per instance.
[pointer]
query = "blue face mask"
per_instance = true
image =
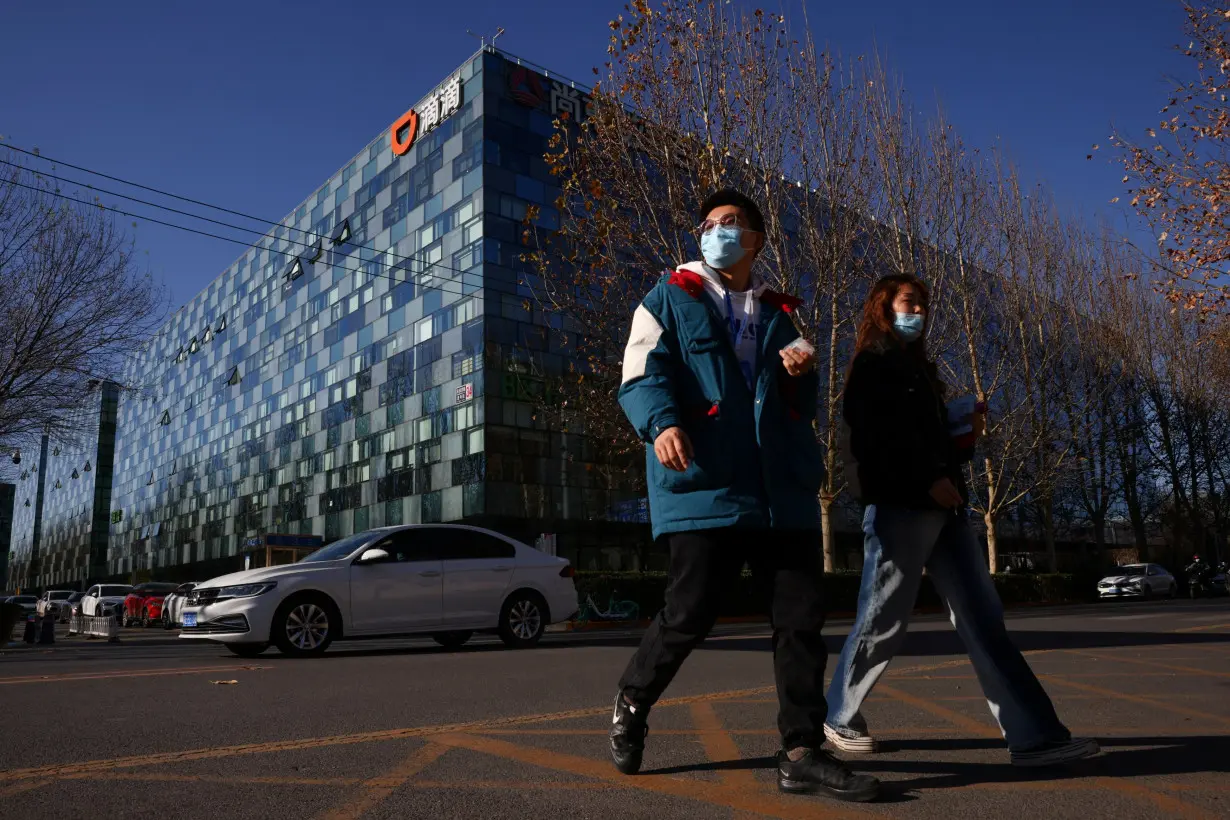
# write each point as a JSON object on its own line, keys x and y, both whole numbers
{"x": 909, "y": 326}
{"x": 721, "y": 246}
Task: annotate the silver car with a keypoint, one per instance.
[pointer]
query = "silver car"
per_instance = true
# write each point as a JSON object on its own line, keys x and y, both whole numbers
{"x": 1138, "y": 581}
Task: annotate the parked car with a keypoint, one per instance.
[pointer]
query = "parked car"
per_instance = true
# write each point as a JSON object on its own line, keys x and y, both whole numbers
{"x": 105, "y": 600}
{"x": 140, "y": 599}
{"x": 71, "y": 606}
{"x": 51, "y": 600}
{"x": 173, "y": 606}
{"x": 447, "y": 581}
{"x": 1138, "y": 580}
{"x": 28, "y": 603}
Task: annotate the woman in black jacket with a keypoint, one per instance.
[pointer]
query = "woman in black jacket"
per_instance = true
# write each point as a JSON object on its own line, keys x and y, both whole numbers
{"x": 907, "y": 471}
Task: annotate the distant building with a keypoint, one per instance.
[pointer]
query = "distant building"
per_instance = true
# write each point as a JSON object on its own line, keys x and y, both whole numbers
{"x": 8, "y": 493}
{"x": 62, "y": 507}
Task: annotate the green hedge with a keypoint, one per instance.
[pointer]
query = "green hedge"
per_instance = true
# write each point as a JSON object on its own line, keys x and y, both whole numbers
{"x": 647, "y": 590}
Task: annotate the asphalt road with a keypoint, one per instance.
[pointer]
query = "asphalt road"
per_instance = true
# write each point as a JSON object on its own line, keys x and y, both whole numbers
{"x": 400, "y": 729}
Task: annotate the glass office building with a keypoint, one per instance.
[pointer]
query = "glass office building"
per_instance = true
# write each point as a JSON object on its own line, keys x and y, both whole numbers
{"x": 365, "y": 363}
{"x": 62, "y": 502}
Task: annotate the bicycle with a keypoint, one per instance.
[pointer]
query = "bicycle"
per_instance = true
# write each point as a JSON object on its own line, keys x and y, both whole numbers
{"x": 615, "y": 610}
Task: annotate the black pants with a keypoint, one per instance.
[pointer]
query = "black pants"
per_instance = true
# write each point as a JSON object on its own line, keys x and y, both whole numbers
{"x": 704, "y": 566}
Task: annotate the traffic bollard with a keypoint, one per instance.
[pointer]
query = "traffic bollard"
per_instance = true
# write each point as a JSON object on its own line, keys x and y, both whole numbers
{"x": 47, "y": 631}
{"x": 31, "y": 629}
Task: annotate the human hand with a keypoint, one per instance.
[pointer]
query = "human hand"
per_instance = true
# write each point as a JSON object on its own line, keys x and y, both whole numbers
{"x": 944, "y": 492}
{"x": 673, "y": 449}
{"x": 797, "y": 360}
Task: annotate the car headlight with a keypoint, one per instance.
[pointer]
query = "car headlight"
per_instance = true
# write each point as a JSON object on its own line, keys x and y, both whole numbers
{"x": 245, "y": 590}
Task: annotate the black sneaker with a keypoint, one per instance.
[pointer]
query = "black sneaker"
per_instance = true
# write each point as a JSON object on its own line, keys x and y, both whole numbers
{"x": 628, "y": 731}
{"x": 818, "y": 772}
{"x": 1056, "y": 752}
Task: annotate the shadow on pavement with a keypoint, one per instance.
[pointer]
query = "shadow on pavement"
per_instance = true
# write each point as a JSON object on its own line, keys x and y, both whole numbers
{"x": 1163, "y": 756}
{"x": 947, "y": 642}
{"x": 1159, "y": 756}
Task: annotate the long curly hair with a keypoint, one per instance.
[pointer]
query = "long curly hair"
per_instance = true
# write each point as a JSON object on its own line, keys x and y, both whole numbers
{"x": 878, "y": 315}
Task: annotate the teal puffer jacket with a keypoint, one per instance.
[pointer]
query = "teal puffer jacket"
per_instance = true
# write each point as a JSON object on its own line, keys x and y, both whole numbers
{"x": 756, "y": 461}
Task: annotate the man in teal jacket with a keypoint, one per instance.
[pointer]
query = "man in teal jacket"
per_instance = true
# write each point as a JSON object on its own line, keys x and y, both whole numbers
{"x": 722, "y": 391}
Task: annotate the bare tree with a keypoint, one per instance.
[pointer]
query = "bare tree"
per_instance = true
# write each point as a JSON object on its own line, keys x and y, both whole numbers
{"x": 73, "y": 306}
{"x": 1179, "y": 175}
{"x": 694, "y": 97}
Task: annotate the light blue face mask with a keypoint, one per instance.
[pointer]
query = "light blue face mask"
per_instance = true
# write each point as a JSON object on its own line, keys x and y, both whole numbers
{"x": 721, "y": 246}
{"x": 909, "y": 326}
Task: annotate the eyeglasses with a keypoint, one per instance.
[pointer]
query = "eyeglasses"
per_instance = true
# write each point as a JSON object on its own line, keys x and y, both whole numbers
{"x": 726, "y": 221}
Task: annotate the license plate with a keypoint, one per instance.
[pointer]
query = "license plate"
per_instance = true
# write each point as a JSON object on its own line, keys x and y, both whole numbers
{"x": 1113, "y": 590}
{"x": 189, "y": 619}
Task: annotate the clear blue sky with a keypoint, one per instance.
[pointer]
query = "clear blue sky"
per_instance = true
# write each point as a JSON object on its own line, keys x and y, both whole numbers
{"x": 252, "y": 105}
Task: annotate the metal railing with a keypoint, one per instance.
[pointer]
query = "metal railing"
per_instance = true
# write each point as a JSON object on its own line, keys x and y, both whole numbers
{"x": 95, "y": 626}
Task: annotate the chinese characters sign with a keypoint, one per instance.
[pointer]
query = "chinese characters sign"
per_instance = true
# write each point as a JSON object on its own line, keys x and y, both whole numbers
{"x": 535, "y": 91}
{"x": 431, "y": 112}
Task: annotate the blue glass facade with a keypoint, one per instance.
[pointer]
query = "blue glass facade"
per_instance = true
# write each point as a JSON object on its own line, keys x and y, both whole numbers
{"x": 338, "y": 375}
{"x": 62, "y": 502}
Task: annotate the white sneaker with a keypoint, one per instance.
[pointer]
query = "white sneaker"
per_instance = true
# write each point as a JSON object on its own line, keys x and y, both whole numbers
{"x": 1056, "y": 752}
{"x": 852, "y": 740}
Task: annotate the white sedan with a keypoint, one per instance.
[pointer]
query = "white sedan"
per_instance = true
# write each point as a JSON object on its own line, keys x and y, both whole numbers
{"x": 105, "y": 599}
{"x": 52, "y": 600}
{"x": 173, "y": 606}
{"x": 1138, "y": 580}
{"x": 445, "y": 580}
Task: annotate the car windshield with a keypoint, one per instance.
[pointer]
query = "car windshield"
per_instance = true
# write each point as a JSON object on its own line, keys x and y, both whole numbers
{"x": 339, "y": 549}
{"x": 111, "y": 591}
{"x": 24, "y": 599}
{"x": 60, "y": 595}
{"x": 75, "y": 597}
{"x": 1131, "y": 571}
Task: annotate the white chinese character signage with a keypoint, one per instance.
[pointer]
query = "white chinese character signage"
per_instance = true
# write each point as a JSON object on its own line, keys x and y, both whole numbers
{"x": 567, "y": 101}
{"x": 439, "y": 104}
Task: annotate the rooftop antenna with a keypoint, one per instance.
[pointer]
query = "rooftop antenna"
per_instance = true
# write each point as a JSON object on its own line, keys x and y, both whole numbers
{"x": 482, "y": 38}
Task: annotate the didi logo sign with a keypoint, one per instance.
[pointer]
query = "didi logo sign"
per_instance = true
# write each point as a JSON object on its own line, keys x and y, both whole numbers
{"x": 439, "y": 104}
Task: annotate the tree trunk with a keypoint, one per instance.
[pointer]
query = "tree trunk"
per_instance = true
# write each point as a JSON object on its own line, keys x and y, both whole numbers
{"x": 826, "y": 529}
{"x": 1046, "y": 511}
{"x": 992, "y": 553}
{"x": 988, "y": 517}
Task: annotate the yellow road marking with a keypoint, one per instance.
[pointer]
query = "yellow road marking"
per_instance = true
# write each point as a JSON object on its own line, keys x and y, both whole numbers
{"x": 213, "y": 752}
{"x": 955, "y": 718}
{"x": 1173, "y": 667}
{"x": 23, "y": 786}
{"x": 1164, "y": 802}
{"x": 719, "y": 746}
{"x": 378, "y": 789}
{"x": 1157, "y": 704}
{"x": 1202, "y": 628}
{"x": 766, "y": 803}
{"x": 133, "y": 673}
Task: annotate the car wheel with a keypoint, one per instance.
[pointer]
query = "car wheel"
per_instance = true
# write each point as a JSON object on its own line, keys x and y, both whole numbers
{"x": 1147, "y": 592}
{"x": 1174, "y": 591}
{"x": 523, "y": 620}
{"x": 452, "y": 640}
{"x": 305, "y": 625}
{"x": 247, "y": 650}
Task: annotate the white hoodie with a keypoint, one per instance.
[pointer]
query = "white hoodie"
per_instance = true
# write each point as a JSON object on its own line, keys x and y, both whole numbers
{"x": 746, "y": 309}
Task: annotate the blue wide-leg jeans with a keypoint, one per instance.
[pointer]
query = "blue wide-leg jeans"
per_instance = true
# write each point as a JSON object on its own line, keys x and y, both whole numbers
{"x": 898, "y": 543}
